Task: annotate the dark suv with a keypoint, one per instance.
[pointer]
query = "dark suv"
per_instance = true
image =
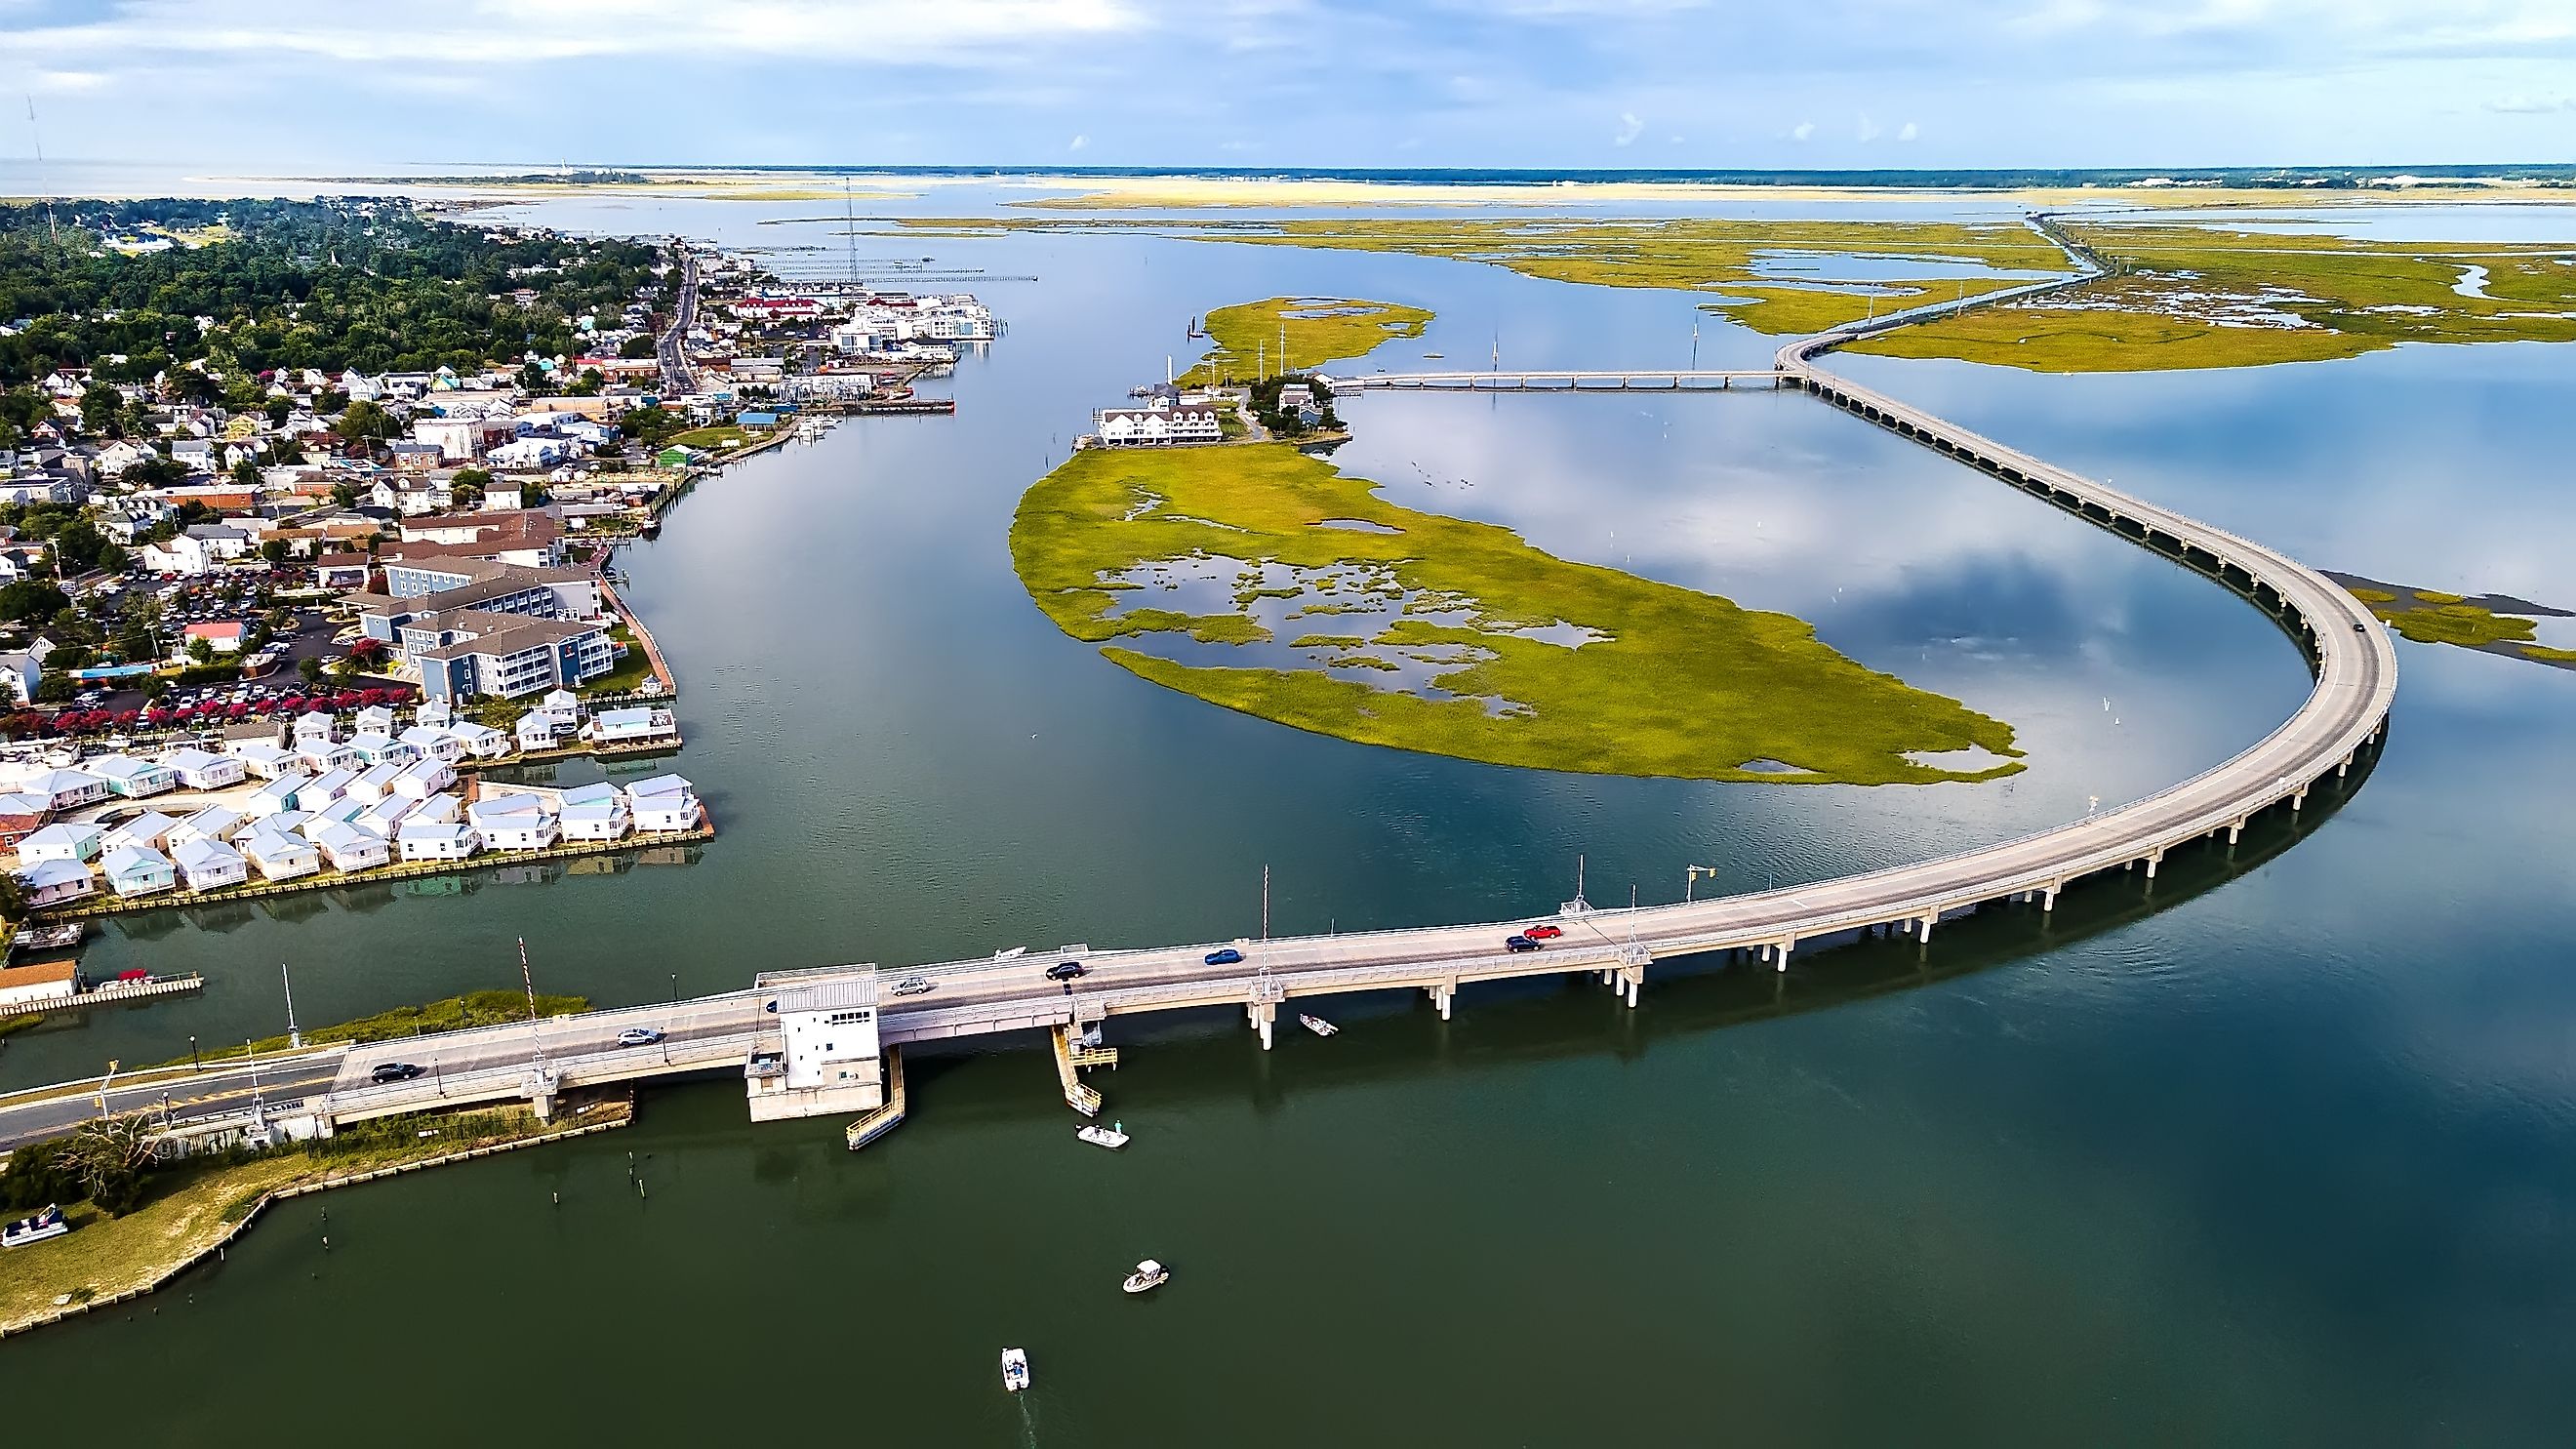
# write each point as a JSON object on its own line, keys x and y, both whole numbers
{"x": 396, "y": 1072}
{"x": 1066, "y": 970}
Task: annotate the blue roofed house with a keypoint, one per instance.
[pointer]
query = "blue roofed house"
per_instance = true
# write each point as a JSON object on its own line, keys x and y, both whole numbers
{"x": 52, "y": 882}
{"x": 130, "y": 777}
{"x": 205, "y": 865}
{"x": 281, "y": 857}
{"x": 664, "y": 803}
{"x": 72, "y": 840}
{"x": 637, "y": 726}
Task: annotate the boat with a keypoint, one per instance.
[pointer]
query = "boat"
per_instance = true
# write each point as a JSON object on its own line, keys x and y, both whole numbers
{"x": 1099, "y": 1136}
{"x": 49, "y": 938}
{"x": 263, "y": 663}
{"x": 1434, "y": 356}
{"x": 47, "y": 1224}
{"x": 1316, "y": 1024}
{"x": 1015, "y": 1370}
{"x": 1149, "y": 1275}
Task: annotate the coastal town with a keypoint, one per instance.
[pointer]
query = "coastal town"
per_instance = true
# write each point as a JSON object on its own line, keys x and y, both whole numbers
{"x": 268, "y": 628}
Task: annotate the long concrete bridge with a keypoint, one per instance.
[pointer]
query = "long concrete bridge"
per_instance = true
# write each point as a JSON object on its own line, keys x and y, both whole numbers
{"x": 1636, "y": 380}
{"x": 2355, "y": 678}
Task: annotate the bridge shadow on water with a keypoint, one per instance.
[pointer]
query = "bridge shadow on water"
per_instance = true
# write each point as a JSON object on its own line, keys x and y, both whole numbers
{"x": 1551, "y": 1017}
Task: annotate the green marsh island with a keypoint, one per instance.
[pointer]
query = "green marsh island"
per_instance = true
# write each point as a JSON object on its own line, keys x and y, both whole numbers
{"x": 1247, "y": 338}
{"x": 1273, "y": 584}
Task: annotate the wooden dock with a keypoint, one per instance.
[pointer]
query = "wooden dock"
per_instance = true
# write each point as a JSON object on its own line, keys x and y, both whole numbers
{"x": 885, "y": 1118}
{"x": 113, "y": 993}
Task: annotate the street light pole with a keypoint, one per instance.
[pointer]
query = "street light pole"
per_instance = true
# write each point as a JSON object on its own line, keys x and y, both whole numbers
{"x": 194, "y": 1065}
{"x": 294, "y": 1038}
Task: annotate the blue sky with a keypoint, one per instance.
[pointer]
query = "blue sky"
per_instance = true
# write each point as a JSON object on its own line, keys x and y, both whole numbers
{"x": 1547, "y": 83}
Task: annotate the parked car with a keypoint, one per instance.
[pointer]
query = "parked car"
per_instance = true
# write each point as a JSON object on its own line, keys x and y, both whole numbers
{"x": 1227, "y": 957}
{"x": 1517, "y": 944}
{"x": 1544, "y": 933}
{"x": 1066, "y": 971}
{"x": 396, "y": 1072}
{"x": 912, "y": 986}
{"x": 638, "y": 1036}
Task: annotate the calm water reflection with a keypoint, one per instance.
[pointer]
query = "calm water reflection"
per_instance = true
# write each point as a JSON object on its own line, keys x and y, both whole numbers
{"x": 2285, "y": 1161}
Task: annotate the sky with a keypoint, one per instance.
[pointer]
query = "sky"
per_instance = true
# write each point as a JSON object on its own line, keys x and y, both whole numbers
{"x": 1624, "y": 84}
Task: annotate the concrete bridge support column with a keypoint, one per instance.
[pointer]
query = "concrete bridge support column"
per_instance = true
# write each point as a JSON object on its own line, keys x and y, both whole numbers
{"x": 1779, "y": 954}
{"x": 2154, "y": 859}
{"x": 1634, "y": 982}
{"x": 1923, "y": 928}
{"x": 2234, "y": 831}
{"x": 1441, "y": 996}
{"x": 2344, "y": 768}
{"x": 1264, "y": 1017}
{"x": 2048, "y": 897}
{"x": 2298, "y": 798}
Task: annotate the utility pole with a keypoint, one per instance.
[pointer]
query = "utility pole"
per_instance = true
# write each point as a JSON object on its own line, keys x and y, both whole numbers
{"x": 294, "y": 1038}
{"x": 536, "y": 1048}
{"x": 1265, "y": 901}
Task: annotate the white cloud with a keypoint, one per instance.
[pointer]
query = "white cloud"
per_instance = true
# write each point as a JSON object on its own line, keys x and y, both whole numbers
{"x": 1077, "y": 143}
{"x": 1802, "y": 130}
{"x": 2521, "y": 105}
{"x": 1908, "y": 131}
{"x": 1629, "y": 129}
{"x": 1868, "y": 130}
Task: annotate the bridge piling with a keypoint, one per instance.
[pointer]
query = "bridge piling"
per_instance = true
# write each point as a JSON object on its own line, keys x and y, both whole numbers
{"x": 1441, "y": 996}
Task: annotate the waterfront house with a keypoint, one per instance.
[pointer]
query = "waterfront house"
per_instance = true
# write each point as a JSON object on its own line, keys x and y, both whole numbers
{"x": 72, "y": 840}
{"x": 215, "y": 822}
{"x": 205, "y": 865}
{"x": 436, "y": 840}
{"x": 664, "y": 803}
{"x": 423, "y": 778}
{"x": 41, "y": 984}
{"x": 513, "y": 822}
{"x": 130, "y": 777}
{"x": 382, "y": 749}
{"x": 1161, "y": 425}
{"x": 627, "y": 728}
{"x": 315, "y": 726}
{"x": 278, "y": 794}
{"x": 540, "y": 731}
{"x": 133, "y": 871}
{"x": 374, "y": 783}
{"x": 150, "y": 830}
{"x": 597, "y": 820}
{"x": 197, "y": 769}
{"x": 348, "y": 848}
{"x": 321, "y": 757}
{"x": 261, "y": 758}
{"x": 66, "y": 789}
{"x": 281, "y": 857}
{"x": 434, "y": 712}
{"x": 284, "y": 822}
{"x": 374, "y": 719}
{"x": 52, "y": 882}
{"x": 435, "y": 742}
{"x": 326, "y": 790}
{"x": 339, "y": 812}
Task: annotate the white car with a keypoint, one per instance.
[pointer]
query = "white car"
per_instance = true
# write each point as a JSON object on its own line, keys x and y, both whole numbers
{"x": 638, "y": 1036}
{"x": 912, "y": 986}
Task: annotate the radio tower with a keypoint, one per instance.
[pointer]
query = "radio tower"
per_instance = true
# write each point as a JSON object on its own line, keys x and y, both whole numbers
{"x": 53, "y": 229}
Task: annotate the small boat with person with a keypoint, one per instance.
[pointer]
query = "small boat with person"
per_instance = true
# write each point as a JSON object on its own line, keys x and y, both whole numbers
{"x": 1098, "y": 1136}
{"x": 1149, "y": 1275}
{"x": 1015, "y": 1370}
{"x": 49, "y": 1223}
{"x": 1316, "y": 1024}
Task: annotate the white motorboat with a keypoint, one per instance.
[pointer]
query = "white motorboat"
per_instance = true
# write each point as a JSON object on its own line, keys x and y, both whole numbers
{"x": 1099, "y": 1136}
{"x": 1317, "y": 1025}
{"x": 1149, "y": 1275}
{"x": 1015, "y": 1370}
{"x": 49, "y": 1223}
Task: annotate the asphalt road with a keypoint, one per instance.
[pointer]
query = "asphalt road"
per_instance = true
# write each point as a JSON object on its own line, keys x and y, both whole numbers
{"x": 211, "y": 1093}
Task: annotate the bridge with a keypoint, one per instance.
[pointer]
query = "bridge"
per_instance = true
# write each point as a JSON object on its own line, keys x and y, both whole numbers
{"x": 2354, "y": 669}
{"x": 1686, "y": 380}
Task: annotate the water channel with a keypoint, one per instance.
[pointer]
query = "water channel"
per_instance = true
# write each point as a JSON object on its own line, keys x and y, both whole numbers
{"x": 2279, "y": 1153}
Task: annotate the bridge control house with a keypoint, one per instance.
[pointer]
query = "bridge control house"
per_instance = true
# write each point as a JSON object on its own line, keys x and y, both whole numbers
{"x": 827, "y": 1059}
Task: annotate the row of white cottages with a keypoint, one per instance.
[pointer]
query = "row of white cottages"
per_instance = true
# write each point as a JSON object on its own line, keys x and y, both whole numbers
{"x": 296, "y": 825}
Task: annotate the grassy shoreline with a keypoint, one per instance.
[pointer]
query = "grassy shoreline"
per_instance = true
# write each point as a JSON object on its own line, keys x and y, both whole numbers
{"x": 1247, "y": 336}
{"x": 195, "y": 1207}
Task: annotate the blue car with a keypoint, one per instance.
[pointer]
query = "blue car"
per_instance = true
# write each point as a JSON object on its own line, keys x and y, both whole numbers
{"x": 1227, "y": 957}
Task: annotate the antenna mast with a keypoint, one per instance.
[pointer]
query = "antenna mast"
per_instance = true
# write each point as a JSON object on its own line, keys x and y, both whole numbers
{"x": 53, "y": 228}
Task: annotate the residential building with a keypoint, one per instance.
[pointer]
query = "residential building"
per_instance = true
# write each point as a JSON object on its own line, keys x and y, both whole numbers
{"x": 480, "y": 653}
{"x": 20, "y": 676}
{"x": 205, "y": 865}
{"x": 348, "y": 848}
{"x": 374, "y": 783}
{"x": 630, "y": 727}
{"x": 607, "y": 819}
{"x": 277, "y": 795}
{"x": 52, "y": 882}
{"x": 150, "y": 830}
{"x": 41, "y": 983}
{"x": 130, "y": 777}
{"x": 435, "y": 743}
{"x": 223, "y": 638}
{"x": 382, "y": 749}
{"x": 73, "y": 840}
{"x": 264, "y": 759}
{"x": 281, "y": 857}
{"x": 1160, "y": 425}
{"x": 665, "y": 803}
{"x": 198, "y": 769}
{"x": 423, "y": 778}
{"x": 66, "y": 789}
{"x": 436, "y": 840}
{"x": 132, "y": 870}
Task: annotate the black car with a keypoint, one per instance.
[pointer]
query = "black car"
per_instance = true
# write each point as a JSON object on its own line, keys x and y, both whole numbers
{"x": 1066, "y": 971}
{"x": 396, "y": 1072}
{"x": 1517, "y": 944}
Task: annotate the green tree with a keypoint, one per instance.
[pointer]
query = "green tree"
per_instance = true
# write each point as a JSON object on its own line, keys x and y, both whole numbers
{"x": 638, "y": 347}
{"x": 274, "y": 550}
{"x": 108, "y": 1155}
{"x": 366, "y": 420}
{"x": 201, "y": 651}
{"x": 311, "y": 669}
{"x": 345, "y": 494}
{"x": 246, "y": 473}
{"x": 29, "y": 600}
